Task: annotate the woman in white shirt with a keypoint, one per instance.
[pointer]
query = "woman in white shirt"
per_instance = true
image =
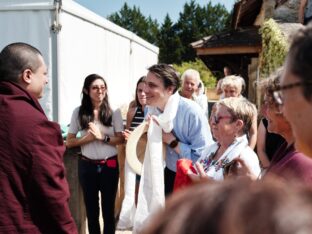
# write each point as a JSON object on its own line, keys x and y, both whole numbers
{"x": 230, "y": 123}
{"x": 101, "y": 130}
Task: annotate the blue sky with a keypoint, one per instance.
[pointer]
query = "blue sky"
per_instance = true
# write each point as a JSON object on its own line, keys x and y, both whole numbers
{"x": 157, "y": 9}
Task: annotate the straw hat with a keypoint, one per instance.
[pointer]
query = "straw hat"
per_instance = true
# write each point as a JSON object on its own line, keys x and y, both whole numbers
{"x": 135, "y": 148}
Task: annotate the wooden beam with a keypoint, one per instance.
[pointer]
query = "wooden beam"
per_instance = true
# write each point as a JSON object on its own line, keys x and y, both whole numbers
{"x": 229, "y": 50}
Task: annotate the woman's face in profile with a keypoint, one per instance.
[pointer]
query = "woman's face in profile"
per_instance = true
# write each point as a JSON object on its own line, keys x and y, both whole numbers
{"x": 223, "y": 125}
{"x": 141, "y": 93}
{"x": 231, "y": 91}
{"x": 276, "y": 120}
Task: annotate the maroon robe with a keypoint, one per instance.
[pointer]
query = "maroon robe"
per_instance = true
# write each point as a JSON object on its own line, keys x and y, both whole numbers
{"x": 33, "y": 189}
{"x": 291, "y": 165}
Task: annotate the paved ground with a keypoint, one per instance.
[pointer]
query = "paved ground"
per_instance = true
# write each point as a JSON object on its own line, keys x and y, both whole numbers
{"x": 123, "y": 232}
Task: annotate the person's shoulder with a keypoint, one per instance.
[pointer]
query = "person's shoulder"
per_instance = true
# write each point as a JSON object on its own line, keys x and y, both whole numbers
{"x": 249, "y": 153}
{"x": 76, "y": 110}
{"x": 116, "y": 111}
{"x": 301, "y": 159}
{"x": 132, "y": 110}
{"x": 188, "y": 105}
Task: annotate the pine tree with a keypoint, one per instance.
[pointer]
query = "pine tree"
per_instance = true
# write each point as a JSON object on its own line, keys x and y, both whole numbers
{"x": 169, "y": 43}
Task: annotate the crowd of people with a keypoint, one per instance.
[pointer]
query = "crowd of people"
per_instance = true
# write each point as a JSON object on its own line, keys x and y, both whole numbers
{"x": 233, "y": 186}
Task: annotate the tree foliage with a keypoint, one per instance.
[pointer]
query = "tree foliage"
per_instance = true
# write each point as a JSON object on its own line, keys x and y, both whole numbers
{"x": 133, "y": 20}
{"x": 169, "y": 43}
{"x": 205, "y": 74}
{"x": 173, "y": 39}
{"x": 274, "y": 48}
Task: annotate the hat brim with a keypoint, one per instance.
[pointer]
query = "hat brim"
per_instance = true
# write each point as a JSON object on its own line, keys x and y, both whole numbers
{"x": 135, "y": 148}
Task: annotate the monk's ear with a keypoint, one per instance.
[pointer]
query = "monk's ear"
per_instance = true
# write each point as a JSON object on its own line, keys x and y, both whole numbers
{"x": 26, "y": 76}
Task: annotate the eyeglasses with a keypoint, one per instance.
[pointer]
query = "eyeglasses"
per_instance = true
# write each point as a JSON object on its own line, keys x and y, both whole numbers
{"x": 98, "y": 88}
{"x": 278, "y": 93}
{"x": 217, "y": 119}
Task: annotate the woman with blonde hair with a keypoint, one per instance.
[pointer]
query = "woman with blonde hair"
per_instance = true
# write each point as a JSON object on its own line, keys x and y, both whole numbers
{"x": 230, "y": 124}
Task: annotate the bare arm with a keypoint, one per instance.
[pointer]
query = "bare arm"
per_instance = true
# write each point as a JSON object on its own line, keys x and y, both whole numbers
{"x": 130, "y": 115}
{"x": 253, "y": 132}
{"x": 117, "y": 139}
{"x": 73, "y": 141}
{"x": 263, "y": 157}
{"x": 302, "y": 6}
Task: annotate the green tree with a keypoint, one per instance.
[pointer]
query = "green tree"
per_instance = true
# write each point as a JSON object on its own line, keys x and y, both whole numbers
{"x": 173, "y": 39}
{"x": 169, "y": 43}
{"x": 188, "y": 30}
{"x": 133, "y": 20}
{"x": 206, "y": 75}
{"x": 196, "y": 22}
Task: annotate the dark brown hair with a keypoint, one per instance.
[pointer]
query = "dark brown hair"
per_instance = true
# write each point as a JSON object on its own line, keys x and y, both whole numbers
{"x": 238, "y": 207}
{"x": 167, "y": 74}
{"x": 86, "y": 109}
{"x": 299, "y": 58}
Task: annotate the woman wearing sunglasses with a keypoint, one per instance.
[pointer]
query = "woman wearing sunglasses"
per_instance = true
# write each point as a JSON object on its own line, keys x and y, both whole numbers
{"x": 287, "y": 162}
{"x": 101, "y": 130}
{"x": 230, "y": 123}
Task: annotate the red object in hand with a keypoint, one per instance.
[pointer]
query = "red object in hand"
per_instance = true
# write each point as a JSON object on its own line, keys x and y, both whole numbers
{"x": 182, "y": 179}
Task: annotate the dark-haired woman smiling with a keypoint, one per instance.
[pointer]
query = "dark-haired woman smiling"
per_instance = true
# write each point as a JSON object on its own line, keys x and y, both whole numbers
{"x": 101, "y": 129}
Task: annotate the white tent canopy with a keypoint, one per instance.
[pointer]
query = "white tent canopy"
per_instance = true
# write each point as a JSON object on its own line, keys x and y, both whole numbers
{"x": 86, "y": 43}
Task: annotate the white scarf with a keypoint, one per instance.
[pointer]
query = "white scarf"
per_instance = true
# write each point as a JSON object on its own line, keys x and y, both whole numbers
{"x": 233, "y": 151}
{"x": 151, "y": 192}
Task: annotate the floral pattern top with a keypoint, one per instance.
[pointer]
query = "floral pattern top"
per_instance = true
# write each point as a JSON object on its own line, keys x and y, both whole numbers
{"x": 239, "y": 148}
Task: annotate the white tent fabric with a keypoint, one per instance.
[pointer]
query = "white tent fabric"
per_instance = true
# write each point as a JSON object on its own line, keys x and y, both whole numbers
{"x": 86, "y": 43}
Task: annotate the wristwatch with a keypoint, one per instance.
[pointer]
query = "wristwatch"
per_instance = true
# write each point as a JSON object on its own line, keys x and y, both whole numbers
{"x": 106, "y": 139}
{"x": 174, "y": 143}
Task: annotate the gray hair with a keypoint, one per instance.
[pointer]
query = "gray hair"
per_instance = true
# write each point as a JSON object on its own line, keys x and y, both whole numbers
{"x": 191, "y": 73}
{"x": 233, "y": 81}
{"x": 239, "y": 108}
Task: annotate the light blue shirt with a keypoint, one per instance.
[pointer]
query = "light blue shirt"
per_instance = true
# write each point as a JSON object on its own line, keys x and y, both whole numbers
{"x": 191, "y": 128}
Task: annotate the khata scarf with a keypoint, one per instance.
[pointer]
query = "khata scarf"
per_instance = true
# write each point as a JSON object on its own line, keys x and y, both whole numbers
{"x": 151, "y": 192}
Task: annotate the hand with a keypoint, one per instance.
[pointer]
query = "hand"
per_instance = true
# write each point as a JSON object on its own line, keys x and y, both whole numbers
{"x": 201, "y": 174}
{"x": 89, "y": 137}
{"x": 95, "y": 131}
{"x": 126, "y": 134}
{"x": 240, "y": 168}
{"x": 167, "y": 137}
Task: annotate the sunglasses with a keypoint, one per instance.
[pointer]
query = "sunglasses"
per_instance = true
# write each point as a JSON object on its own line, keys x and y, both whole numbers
{"x": 218, "y": 118}
{"x": 278, "y": 93}
{"x": 98, "y": 88}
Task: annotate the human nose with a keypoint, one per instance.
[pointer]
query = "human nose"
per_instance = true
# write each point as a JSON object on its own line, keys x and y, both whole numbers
{"x": 145, "y": 90}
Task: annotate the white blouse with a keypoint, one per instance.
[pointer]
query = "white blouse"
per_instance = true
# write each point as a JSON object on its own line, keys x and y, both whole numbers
{"x": 98, "y": 149}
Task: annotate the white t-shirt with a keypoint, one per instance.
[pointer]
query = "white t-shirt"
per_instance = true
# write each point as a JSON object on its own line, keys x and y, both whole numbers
{"x": 98, "y": 149}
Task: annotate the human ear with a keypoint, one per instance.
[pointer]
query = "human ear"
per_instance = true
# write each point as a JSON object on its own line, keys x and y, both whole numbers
{"x": 171, "y": 89}
{"x": 26, "y": 76}
{"x": 239, "y": 124}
